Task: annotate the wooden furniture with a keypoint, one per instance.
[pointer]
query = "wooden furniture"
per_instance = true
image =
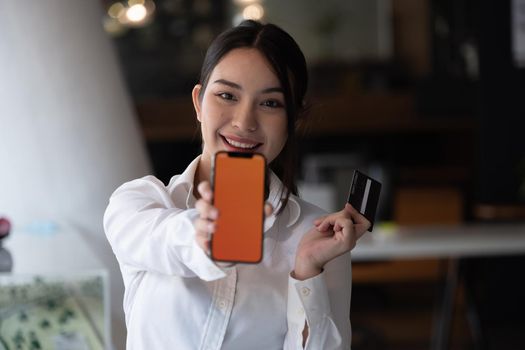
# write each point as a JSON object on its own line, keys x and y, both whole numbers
{"x": 347, "y": 113}
{"x": 451, "y": 242}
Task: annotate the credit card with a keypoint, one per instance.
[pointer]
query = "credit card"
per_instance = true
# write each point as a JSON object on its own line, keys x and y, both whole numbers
{"x": 364, "y": 195}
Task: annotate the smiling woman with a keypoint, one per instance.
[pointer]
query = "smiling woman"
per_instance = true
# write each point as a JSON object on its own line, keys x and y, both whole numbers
{"x": 249, "y": 98}
{"x": 241, "y": 110}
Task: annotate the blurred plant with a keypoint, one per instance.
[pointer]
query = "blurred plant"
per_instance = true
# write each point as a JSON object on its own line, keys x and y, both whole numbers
{"x": 45, "y": 324}
{"x": 22, "y": 316}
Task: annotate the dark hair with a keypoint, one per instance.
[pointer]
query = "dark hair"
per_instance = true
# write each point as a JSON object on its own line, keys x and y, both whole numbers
{"x": 289, "y": 64}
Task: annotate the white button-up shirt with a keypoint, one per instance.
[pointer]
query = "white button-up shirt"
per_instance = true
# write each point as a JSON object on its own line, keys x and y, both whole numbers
{"x": 177, "y": 298}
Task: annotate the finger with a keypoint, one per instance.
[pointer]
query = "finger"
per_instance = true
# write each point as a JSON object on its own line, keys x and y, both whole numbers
{"x": 204, "y": 189}
{"x": 349, "y": 209}
{"x": 268, "y": 209}
{"x": 323, "y": 226}
{"x": 338, "y": 226}
{"x": 203, "y": 243}
{"x": 349, "y": 236}
{"x": 319, "y": 220}
{"x": 204, "y": 228}
{"x": 326, "y": 223}
{"x": 203, "y": 231}
{"x": 341, "y": 224}
{"x": 358, "y": 218}
{"x": 206, "y": 210}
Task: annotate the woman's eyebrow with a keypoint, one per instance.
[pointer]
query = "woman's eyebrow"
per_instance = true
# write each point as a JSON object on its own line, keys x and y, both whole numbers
{"x": 228, "y": 83}
{"x": 239, "y": 87}
{"x": 273, "y": 89}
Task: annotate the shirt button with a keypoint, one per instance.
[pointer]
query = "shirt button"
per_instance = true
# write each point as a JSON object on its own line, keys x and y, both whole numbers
{"x": 300, "y": 312}
{"x": 305, "y": 291}
{"x": 222, "y": 305}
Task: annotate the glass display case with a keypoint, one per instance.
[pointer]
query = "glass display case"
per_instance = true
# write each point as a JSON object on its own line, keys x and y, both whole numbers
{"x": 67, "y": 311}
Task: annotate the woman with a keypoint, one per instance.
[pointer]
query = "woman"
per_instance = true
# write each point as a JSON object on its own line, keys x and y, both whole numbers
{"x": 249, "y": 99}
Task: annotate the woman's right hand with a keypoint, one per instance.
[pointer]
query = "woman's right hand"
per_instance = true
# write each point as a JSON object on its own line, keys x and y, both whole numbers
{"x": 208, "y": 214}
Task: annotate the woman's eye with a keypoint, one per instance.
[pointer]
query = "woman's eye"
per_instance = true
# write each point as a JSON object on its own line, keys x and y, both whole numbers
{"x": 226, "y": 96}
{"x": 272, "y": 104}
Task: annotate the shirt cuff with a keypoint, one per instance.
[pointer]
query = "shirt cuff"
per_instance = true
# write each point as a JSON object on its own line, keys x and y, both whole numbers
{"x": 196, "y": 259}
{"x": 308, "y": 300}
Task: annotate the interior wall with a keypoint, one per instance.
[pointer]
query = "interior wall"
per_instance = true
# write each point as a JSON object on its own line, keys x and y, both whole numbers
{"x": 68, "y": 133}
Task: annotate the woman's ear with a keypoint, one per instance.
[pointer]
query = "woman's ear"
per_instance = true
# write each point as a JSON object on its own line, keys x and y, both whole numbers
{"x": 196, "y": 100}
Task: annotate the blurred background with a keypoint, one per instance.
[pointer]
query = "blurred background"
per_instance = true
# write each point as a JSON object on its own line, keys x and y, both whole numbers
{"x": 424, "y": 95}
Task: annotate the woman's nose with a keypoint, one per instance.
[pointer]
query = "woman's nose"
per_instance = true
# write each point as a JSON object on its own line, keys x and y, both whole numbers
{"x": 245, "y": 119}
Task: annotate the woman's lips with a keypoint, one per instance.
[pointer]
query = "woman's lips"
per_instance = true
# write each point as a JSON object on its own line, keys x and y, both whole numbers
{"x": 239, "y": 144}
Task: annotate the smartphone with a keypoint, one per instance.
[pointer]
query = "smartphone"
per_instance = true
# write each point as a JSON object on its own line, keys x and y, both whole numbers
{"x": 238, "y": 181}
{"x": 364, "y": 195}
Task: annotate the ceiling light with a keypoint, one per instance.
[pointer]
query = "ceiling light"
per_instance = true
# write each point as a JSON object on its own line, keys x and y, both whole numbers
{"x": 254, "y": 11}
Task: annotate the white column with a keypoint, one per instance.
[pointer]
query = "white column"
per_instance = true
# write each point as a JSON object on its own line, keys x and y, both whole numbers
{"x": 68, "y": 133}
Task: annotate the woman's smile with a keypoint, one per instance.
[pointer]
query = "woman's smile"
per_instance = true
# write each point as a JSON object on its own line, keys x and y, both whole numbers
{"x": 239, "y": 144}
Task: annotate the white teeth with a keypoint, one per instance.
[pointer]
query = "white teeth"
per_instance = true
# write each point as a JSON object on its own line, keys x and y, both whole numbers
{"x": 240, "y": 144}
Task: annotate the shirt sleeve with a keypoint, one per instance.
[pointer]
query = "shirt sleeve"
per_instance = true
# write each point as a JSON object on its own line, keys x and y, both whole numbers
{"x": 148, "y": 233}
{"x": 313, "y": 300}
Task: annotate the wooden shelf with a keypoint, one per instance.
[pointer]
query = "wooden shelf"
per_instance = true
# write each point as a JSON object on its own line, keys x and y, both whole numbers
{"x": 168, "y": 119}
{"x": 174, "y": 119}
{"x": 499, "y": 212}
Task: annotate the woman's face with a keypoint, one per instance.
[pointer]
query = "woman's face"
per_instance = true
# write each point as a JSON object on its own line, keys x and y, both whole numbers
{"x": 242, "y": 108}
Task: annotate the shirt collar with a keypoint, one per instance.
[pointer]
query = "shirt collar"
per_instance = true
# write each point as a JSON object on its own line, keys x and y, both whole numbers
{"x": 275, "y": 197}
{"x": 185, "y": 180}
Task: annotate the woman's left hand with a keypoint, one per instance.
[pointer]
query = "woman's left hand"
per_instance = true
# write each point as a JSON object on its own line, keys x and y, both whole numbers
{"x": 333, "y": 235}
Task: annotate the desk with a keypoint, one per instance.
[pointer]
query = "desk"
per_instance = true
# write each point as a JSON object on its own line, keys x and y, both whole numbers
{"x": 457, "y": 241}
{"x": 451, "y": 242}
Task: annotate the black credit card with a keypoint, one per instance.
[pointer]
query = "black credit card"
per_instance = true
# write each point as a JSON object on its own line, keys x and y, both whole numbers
{"x": 364, "y": 195}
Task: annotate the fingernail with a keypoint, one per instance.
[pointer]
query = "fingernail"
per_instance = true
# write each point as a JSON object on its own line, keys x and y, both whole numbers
{"x": 214, "y": 214}
{"x": 211, "y": 227}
